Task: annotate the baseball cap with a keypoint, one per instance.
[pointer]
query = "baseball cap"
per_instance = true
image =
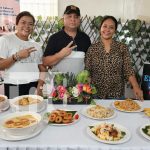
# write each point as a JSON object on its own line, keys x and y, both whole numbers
{"x": 72, "y": 9}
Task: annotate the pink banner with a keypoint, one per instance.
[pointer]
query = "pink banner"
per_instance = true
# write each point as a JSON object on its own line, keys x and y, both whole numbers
{"x": 8, "y": 11}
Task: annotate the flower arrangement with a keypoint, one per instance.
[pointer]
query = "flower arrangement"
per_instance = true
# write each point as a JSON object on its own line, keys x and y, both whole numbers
{"x": 73, "y": 89}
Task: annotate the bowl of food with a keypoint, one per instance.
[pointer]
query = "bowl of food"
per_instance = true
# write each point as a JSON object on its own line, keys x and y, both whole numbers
{"x": 20, "y": 123}
{"x": 27, "y": 103}
{"x": 3, "y": 102}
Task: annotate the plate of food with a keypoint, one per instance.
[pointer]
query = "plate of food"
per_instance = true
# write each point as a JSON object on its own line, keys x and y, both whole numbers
{"x": 34, "y": 103}
{"x": 145, "y": 131}
{"x": 109, "y": 133}
{"x": 128, "y": 105}
{"x": 147, "y": 112}
{"x": 61, "y": 117}
{"x": 98, "y": 112}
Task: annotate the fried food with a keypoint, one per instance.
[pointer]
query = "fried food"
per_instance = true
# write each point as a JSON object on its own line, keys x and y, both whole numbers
{"x": 127, "y": 105}
{"x": 60, "y": 117}
{"x": 62, "y": 113}
{"x": 68, "y": 116}
{"x": 147, "y": 111}
{"x": 52, "y": 117}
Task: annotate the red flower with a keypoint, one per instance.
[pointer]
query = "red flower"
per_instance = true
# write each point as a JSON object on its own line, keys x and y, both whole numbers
{"x": 61, "y": 89}
{"x": 53, "y": 94}
{"x": 80, "y": 87}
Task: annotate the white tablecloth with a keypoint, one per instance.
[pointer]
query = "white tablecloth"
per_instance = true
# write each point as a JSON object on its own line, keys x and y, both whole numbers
{"x": 74, "y": 137}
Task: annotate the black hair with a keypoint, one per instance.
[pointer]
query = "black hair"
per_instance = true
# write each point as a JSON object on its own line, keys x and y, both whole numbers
{"x": 109, "y": 17}
{"x": 24, "y": 13}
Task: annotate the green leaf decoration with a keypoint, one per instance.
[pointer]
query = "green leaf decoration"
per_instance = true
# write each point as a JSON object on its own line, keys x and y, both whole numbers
{"x": 49, "y": 18}
{"x": 96, "y": 22}
{"x": 134, "y": 26}
{"x": 39, "y": 17}
{"x": 34, "y": 34}
{"x": 148, "y": 30}
{"x": 93, "y": 102}
{"x": 38, "y": 39}
{"x": 47, "y": 25}
{"x": 80, "y": 99}
{"x": 83, "y": 77}
{"x": 42, "y": 32}
{"x": 58, "y": 79}
{"x": 60, "y": 24}
{"x": 94, "y": 91}
{"x": 39, "y": 24}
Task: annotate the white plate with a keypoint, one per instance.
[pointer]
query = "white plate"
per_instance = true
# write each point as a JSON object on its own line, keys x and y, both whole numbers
{"x": 139, "y": 103}
{"x": 144, "y": 134}
{"x": 84, "y": 112}
{"x": 8, "y": 137}
{"x": 123, "y": 140}
{"x": 62, "y": 124}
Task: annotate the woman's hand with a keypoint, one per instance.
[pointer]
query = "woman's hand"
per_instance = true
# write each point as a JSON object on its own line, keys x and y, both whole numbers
{"x": 39, "y": 91}
{"x": 25, "y": 52}
{"x": 136, "y": 89}
{"x": 138, "y": 93}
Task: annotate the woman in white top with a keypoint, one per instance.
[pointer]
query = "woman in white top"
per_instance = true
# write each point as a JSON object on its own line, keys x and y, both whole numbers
{"x": 21, "y": 59}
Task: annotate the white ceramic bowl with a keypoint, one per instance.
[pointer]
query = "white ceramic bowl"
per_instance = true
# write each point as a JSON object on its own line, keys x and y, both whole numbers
{"x": 23, "y": 130}
{"x": 3, "y": 103}
{"x": 36, "y": 107}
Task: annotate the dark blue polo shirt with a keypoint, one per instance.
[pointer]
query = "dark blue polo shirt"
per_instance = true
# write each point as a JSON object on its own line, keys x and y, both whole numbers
{"x": 61, "y": 39}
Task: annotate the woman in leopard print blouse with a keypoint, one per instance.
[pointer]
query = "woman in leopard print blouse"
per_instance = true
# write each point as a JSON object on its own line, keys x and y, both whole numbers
{"x": 109, "y": 64}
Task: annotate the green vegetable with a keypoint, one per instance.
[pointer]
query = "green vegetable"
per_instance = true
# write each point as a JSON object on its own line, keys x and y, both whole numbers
{"x": 58, "y": 79}
{"x": 145, "y": 130}
{"x": 83, "y": 77}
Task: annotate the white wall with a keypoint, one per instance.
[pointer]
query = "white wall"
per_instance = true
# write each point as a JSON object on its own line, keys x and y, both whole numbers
{"x": 125, "y": 9}
{"x": 137, "y": 9}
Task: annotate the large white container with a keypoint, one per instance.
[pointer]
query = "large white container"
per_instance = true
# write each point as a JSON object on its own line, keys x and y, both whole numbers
{"x": 73, "y": 63}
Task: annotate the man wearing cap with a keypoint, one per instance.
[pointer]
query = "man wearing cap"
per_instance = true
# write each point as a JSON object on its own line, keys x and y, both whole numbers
{"x": 70, "y": 38}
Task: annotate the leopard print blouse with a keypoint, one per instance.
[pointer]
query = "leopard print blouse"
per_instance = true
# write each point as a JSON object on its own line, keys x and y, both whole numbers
{"x": 109, "y": 71}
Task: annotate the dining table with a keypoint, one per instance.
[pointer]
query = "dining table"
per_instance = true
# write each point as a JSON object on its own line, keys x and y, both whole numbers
{"x": 75, "y": 137}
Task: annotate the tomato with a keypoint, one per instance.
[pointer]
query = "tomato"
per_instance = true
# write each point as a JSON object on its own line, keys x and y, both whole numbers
{"x": 76, "y": 116}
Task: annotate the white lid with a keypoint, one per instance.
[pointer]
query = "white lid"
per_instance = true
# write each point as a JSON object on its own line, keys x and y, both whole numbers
{"x": 76, "y": 54}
